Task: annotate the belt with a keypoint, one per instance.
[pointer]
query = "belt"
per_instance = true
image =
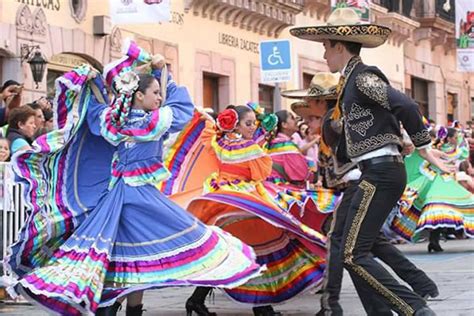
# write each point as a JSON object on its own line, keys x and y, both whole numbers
{"x": 364, "y": 164}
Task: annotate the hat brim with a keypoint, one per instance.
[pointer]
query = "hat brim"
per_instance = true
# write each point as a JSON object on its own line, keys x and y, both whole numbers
{"x": 304, "y": 110}
{"x": 369, "y": 35}
{"x": 309, "y": 93}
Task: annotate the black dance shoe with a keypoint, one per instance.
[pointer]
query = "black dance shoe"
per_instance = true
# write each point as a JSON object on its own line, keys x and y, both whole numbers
{"x": 266, "y": 310}
{"x": 109, "y": 310}
{"x": 434, "y": 247}
{"x": 199, "y": 308}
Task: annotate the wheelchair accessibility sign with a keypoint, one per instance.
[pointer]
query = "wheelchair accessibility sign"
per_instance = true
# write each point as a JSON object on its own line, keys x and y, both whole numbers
{"x": 275, "y": 61}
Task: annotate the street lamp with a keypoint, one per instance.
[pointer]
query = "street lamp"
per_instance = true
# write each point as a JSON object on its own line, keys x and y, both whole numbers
{"x": 37, "y": 61}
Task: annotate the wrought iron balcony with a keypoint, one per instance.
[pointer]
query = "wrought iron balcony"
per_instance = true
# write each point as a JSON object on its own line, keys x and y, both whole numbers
{"x": 260, "y": 16}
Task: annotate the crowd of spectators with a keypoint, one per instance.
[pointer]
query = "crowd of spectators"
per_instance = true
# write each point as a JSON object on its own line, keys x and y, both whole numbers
{"x": 21, "y": 123}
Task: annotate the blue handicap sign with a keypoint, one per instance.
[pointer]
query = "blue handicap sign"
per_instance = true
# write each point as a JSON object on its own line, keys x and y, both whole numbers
{"x": 275, "y": 55}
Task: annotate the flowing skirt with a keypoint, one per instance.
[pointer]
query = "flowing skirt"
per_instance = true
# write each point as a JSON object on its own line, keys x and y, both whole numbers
{"x": 136, "y": 239}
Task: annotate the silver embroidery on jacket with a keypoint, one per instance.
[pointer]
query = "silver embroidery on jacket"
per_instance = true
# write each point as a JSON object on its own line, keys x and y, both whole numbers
{"x": 360, "y": 119}
{"x": 374, "y": 87}
{"x": 421, "y": 138}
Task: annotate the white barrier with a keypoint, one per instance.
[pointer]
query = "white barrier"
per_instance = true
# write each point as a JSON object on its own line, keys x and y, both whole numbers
{"x": 12, "y": 208}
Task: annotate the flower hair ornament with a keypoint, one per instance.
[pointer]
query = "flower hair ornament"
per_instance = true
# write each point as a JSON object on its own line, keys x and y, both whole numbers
{"x": 227, "y": 120}
{"x": 126, "y": 83}
{"x": 269, "y": 122}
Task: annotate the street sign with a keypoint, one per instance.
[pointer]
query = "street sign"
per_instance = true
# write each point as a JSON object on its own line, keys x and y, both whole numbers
{"x": 275, "y": 61}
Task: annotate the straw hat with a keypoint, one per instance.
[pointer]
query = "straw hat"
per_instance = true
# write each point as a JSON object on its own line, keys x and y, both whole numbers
{"x": 322, "y": 86}
{"x": 344, "y": 25}
{"x": 305, "y": 110}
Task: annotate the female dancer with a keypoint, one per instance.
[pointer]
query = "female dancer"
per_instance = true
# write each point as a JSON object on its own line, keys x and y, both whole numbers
{"x": 92, "y": 239}
{"x": 290, "y": 172}
{"x": 236, "y": 200}
{"x": 432, "y": 200}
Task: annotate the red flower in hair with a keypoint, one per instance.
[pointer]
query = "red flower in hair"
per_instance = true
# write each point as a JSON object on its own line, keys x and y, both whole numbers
{"x": 227, "y": 120}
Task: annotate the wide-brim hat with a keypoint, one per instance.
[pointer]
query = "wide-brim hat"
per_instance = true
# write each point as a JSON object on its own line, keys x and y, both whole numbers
{"x": 305, "y": 110}
{"x": 344, "y": 24}
{"x": 322, "y": 86}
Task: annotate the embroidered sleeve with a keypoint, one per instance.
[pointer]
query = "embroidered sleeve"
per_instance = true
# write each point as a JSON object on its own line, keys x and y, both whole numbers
{"x": 374, "y": 88}
{"x": 155, "y": 127}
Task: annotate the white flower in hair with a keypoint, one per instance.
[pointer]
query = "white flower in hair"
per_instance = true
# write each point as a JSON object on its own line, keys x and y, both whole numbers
{"x": 127, "y": 82}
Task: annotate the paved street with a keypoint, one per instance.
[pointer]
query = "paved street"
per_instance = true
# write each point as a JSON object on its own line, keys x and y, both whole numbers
{"x": 452, "y": 270}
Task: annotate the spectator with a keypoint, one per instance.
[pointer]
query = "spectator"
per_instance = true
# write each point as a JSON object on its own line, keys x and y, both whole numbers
{"x": 4, "y": 149}
{"x": 44, "y": 103}
{"x": 39, "y": 118}
{"x": 48, "y": 120}
{"x": 10, "y": 98}
{"x": 22, "y": 128}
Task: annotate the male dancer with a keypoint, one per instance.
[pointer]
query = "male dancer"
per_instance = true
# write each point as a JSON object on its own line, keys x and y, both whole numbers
{"x": 342, "y": 174}
{"x": 370, "y": 112}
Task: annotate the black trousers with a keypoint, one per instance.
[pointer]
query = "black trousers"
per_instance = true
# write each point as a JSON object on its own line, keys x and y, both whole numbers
{"x": 380, "y": 187}
{"x": 381, "y": 249}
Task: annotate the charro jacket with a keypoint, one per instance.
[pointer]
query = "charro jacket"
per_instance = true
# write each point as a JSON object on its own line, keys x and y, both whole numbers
{"x": 372, "y": 111}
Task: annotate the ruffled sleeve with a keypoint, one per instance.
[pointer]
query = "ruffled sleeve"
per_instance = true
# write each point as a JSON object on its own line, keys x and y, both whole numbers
{"x": 260, "y": 168}
{"x": 157, "y": 124}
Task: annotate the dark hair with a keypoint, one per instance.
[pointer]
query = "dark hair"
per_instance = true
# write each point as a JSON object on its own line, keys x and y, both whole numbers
{"x": 240, "y": 109}
{"x": 20, "y": 115}
{"x": 352, "y": 47}
{"x": 9, "y": 83}
{"x": 331, "y": 103}
{"x": 48, "y": 115}
{"x": 451, "y": 132}
{"x": 144, "y": 82}
{"x": 34, "y": 106}
{"x": 282, "y": 115}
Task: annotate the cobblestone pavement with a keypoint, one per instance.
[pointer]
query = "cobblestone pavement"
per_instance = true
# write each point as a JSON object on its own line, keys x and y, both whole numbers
{"x": 452, "y": 270}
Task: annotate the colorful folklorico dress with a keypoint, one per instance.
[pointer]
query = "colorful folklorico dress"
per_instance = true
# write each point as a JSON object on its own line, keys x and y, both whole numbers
{"x": 432, "y": 200}
{"x": 92, "y": 236}
{"x": 235, "y": 199}
{"x": 287, "y": 183}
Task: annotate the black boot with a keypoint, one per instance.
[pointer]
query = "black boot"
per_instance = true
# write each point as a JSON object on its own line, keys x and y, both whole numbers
{"x": 196, "y": 302}
{"x": 424, "y": 311}
{"x": 109, "y": 310}
{"x": 434, "y": 241}
{"x": 266, "y": 310}
{"x": 134, "y": 310}
{"x": 430, "y": 292}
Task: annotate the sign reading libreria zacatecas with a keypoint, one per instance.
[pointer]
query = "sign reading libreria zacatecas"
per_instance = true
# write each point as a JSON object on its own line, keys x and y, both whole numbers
{"x": 237, "y": 42}
{"x": 465, "y": 35}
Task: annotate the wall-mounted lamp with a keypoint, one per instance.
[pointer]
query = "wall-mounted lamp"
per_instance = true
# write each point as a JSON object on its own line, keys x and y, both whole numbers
{"x": 32, "y": 55}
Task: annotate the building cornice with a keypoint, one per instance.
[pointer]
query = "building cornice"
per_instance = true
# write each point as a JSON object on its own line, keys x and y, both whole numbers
{"x": 402, "y": 27}
{"x": 259, "y": 16}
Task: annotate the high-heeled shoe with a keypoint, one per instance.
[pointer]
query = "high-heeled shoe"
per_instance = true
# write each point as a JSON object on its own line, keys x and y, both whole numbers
{"x": 109, "y": 310}
{"x": 434, "y": 247}
{"x": 199, "y": 308}
{"x": 266, "y": 310}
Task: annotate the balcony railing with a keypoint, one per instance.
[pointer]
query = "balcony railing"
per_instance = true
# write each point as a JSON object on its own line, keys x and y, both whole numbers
{"x": 444, "y": 9}
{"x": 402, "y": 7}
